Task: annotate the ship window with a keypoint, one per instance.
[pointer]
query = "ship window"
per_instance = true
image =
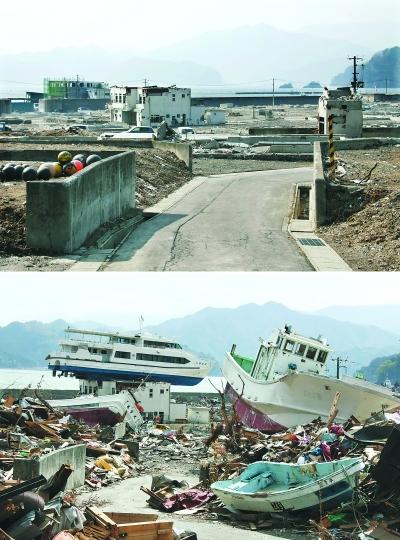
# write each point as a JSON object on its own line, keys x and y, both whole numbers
{"x": 322, "y": 356}
{"x": 151, "y": 393}
{"x": 300, "y": 349}
{"x": 161, "y": 391}
{"x": 161, "y": 358}
{"x": 311, "y": 353}
{"x": 289, "y": 346}
{"x": 103, "y": 351}
{"x": 122, "y": 354}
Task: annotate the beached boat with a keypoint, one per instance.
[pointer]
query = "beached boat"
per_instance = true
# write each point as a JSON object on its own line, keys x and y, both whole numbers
{"x": 288, "y": 383}
{"x": 277, "y": 487}
{"x": 126, "y": 357}
{"x": 107, "y": 410}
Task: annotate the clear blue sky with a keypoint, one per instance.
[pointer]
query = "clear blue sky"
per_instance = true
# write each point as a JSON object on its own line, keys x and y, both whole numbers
{"x": 140, "y": 26}
{"x": 119, "y": 299}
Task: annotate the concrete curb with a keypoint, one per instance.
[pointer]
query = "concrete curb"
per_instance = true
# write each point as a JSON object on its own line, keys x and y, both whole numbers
{"x": 322, "y": 257}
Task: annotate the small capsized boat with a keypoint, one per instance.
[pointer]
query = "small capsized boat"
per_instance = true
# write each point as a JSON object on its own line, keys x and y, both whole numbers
{"x": 269, "y": 487}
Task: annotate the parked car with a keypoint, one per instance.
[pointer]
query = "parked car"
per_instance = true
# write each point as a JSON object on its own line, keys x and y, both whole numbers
{"x": 141, "y": 132}
{"x": 185, "y": 131}
{"x": 4, "y": 127}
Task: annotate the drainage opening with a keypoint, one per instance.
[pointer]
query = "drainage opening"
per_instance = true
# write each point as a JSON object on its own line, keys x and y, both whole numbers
{"x": 316, "y": 242}
{"x": 302, "y": 208}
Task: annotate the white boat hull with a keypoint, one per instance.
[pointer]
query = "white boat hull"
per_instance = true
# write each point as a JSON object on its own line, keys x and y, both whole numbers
{"x": 182, "y": 375}
{"x": 299, "y": 398}
{"x": 324, "y": 490}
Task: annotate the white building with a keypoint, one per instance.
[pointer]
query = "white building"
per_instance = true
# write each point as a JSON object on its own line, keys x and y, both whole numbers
{"x": 346, "y": 110}
{"x": 150, "y": 105}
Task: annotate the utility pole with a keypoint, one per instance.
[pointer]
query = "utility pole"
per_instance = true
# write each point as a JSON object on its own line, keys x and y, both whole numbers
{"x": 356, "y": 83}
{"x": 145, "y": 83}
{"x": 77, "y": 83}
{"x": 273, "y": 92}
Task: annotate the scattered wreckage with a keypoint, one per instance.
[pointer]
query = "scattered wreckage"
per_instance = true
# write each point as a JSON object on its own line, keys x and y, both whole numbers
{"x": 333, "y": 480}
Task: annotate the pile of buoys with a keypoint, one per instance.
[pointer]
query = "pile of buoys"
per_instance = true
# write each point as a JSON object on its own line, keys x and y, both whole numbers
{"x": 66, "y": 165}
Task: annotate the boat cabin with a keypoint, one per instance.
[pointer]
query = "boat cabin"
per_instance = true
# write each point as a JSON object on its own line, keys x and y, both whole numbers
{"x": 286, "y": 352}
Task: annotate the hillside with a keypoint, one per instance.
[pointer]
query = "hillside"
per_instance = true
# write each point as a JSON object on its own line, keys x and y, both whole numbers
{"x": 382, "y": 368}
{"x": 211, "y": 332}
{"x": 101, "y": 65}
{"x": 383, "y": 65}
{"x": 260, "y": 52}
{"x": 387, "y": 315}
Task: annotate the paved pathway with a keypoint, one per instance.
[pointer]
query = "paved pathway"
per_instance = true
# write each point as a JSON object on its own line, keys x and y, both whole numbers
{"x": 234, "y": 222}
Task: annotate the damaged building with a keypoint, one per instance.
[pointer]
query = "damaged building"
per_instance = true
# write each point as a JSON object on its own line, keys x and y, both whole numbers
{"x": 346, "y": 109}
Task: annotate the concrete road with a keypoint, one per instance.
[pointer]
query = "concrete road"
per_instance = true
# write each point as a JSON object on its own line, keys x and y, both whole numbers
{"x": 234, "y": 222}
{"x": 126, "y": 496}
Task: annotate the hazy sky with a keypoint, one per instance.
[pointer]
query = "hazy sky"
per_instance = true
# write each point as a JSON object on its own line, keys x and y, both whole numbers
{"x": 120, "y": 299}
{"x": 138, "y": 25}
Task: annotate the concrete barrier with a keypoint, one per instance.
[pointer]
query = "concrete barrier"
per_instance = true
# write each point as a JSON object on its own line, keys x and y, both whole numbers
{"x": 319, "y": 182}
{"x": 62, "y": 213}
{"x": 364, "y": 144}
{"x": 49, "y": 464}
{"x": 182, "y": 150}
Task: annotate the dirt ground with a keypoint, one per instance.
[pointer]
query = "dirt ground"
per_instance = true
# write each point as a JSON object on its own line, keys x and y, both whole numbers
{"x": 206, "y": 167}
{"x": 159, "y": 173}
{"x": 370, "y": 239}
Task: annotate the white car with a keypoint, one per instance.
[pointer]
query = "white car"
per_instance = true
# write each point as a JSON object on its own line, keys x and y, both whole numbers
{"x": 143, "y": 133}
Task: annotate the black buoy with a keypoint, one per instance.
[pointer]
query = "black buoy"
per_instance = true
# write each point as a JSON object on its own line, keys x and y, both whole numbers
{"x": 29, "y": 174}
{"x": 19, "y": 170}
{"x": 9, "y": 173}
{"x": 93, "y": 158}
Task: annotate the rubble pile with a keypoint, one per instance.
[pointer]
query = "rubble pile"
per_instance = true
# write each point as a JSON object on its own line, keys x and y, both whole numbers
{"x": 239, "y": 150}
{"x": 367, "y": 233}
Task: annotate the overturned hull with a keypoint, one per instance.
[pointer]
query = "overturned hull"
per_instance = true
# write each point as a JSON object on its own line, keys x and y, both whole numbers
{"x": 104, "y": 410}
{"x": 299, "y": 398}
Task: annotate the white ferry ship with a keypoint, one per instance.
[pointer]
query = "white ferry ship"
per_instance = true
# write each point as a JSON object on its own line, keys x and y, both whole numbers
{"x": 288, "y": 383}
{"x": 124, "y": 357}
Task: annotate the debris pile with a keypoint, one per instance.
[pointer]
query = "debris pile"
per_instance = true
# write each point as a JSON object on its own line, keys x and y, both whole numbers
{"x": 239, "y": 150}
{"x": 366, "y": 204}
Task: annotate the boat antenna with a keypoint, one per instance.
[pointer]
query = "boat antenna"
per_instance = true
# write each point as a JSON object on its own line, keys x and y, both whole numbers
{"x": 141, "y": 322}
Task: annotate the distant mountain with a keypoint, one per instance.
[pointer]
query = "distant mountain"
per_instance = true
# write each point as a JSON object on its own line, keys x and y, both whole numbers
{"x": 386, "y": 317}
{"x": 374, "y": 36}
{"x": 213, "y": 331}
{"x": 26, "y": 345}
{"x": 383, "y": 65}
{"x": 261, "y": 52}
{"x": 313, "y": 84}
{"x": 286, "y": 85}
{"x": 102, "y": 65}
{"x": 384, "y": 368}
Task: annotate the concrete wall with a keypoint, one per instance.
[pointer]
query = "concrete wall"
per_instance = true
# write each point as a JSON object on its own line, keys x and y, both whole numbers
{"x": 183, "y": 151}
{"x": 49, "y": 464}
{"x": 62, "y": 213}
{"x": 71, "y": 105}
{"x": 319, "y": 181}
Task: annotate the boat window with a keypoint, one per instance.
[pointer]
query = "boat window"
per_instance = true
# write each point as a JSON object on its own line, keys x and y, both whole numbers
{"x": 122, "y": 354}
{"x": 289, "y": 346}
{"x": 322, "y": 356}
{"x": 160, "y": 358}
{"x": 311, "y": 353}
{"x": 103, "y": 351}
{"x": 161, "y": 344}
{"x": 300, "y": 349}
{"x": 279, "y": 342}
